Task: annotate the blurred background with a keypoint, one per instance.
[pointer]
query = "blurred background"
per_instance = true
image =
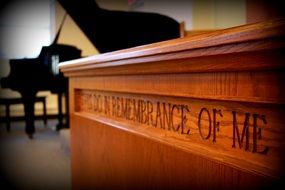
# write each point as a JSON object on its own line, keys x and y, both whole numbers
{"x": 28, "y": 25}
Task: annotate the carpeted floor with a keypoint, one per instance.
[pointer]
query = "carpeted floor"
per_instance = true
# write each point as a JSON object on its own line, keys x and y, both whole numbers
{"x": 40, "y": 163}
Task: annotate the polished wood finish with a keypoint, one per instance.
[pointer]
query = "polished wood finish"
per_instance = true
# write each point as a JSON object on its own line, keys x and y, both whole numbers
{"x": 261, "y": 10}
{"x": 197, "y": 112}
{"x": 182, "y": 29}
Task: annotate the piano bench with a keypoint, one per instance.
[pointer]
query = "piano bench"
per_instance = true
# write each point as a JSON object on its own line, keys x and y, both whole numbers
{"x": 12, "y": 101}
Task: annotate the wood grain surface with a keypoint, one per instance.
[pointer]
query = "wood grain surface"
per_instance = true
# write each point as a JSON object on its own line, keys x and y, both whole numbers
{"x": 199, "y": 112}
{"x": 247, "y": 38}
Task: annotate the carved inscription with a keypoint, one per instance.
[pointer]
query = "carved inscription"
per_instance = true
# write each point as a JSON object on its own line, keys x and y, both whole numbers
{"x": 246, "y": 128}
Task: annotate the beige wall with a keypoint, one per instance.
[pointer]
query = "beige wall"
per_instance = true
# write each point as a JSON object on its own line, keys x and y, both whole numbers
{"x": 218, "y": 14}
{"x": 180, "y": 10}
{"x": 71, "y": 34}
{"x": 119, "y": 5}
{"x": 206, "y": 14}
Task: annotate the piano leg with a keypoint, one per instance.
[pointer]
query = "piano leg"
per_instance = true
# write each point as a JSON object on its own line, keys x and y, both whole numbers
{"x": 67, "y": 107}
{"x": 29, "y": 103}
{"x": 60, "y": 109}
{"x": 60, "y": 113}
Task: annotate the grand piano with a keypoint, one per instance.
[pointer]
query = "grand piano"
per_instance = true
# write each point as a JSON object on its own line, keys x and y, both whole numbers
{"x": 29, "y": 76}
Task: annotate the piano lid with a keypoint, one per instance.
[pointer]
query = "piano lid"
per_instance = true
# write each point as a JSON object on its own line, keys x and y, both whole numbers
{"x": 114, "y": 30}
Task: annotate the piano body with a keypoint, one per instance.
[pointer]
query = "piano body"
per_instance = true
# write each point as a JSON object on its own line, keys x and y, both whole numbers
{"x": 29, "y": 76}
{"x": 114, "y": 30}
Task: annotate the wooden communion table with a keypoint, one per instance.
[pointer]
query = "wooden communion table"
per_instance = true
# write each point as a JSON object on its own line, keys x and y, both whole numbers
{"x": 197, "y": 112}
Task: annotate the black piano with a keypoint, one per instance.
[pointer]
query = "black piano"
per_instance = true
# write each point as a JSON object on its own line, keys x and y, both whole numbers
{"x": 107, "y": 30}
{"x": 29, "y": 76}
